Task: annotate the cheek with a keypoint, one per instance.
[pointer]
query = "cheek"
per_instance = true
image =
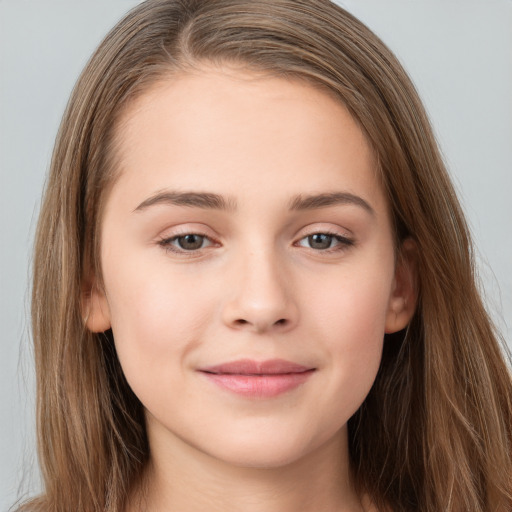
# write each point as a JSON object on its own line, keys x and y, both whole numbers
{"x": 155, "y": 317}
{"x": 350, "y": 319}
{"x": 352, "y": 304}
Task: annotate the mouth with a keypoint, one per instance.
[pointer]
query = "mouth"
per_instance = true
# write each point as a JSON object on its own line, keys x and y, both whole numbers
{"x": 258, "y": 379}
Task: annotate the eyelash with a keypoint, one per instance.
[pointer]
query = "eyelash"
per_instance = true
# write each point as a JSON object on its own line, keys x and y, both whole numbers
{"x": 166, "y": 243}
{"x": 343, "y": 243}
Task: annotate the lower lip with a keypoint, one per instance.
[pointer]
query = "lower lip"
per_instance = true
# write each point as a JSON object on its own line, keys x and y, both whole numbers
{"x": 259, "y": 386}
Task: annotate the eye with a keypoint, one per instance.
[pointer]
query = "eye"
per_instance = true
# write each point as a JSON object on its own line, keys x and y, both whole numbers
{"x": 188, "y": 242}
{"x": 325, "y": 242}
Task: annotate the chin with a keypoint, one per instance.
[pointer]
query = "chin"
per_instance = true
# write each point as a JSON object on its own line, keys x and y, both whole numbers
{"x": 260, "y": 458}
{"x": 266, "y": 450}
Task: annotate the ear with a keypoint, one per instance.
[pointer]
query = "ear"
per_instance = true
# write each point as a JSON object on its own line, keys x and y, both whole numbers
{"x": 95, "y": 309}
{"x": 404, "y": 295}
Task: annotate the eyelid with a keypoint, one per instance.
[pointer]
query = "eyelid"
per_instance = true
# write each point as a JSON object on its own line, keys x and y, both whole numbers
{"x": 182, "y": 229}
{"x": 343, "y": 240}
{"x": 164, "y": 240}
{"x": 344, "y": 237}
{"x": 325, "y": 228}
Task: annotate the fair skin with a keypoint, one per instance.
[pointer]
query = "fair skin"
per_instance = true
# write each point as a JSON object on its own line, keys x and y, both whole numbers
{"x": 260, "y": 271}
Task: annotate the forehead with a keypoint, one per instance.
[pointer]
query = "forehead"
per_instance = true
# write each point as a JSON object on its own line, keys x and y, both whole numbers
{"x": 227, "y": 130}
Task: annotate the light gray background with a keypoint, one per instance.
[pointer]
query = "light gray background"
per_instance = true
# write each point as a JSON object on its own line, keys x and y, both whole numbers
{"x": 458, "y": 52}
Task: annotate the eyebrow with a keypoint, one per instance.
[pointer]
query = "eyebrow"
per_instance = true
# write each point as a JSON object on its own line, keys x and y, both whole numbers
{"x": 313, "y": 202}
{"x": 211, "y": 201}
{"x": 204, "y": 200}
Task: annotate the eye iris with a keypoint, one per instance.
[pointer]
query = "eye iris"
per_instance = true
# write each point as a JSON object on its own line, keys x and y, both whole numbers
{"x": 320, "y": 241}
{"x": 190, "y": 242}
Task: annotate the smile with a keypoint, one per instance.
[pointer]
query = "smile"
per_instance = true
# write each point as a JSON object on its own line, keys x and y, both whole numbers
{"x": 253, "y": 379}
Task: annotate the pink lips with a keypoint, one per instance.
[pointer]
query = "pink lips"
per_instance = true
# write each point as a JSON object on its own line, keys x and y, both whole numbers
{"x": 258, "y": 379}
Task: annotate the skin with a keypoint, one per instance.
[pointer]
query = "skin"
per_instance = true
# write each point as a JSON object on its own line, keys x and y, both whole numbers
{"x": 256, "y": 288}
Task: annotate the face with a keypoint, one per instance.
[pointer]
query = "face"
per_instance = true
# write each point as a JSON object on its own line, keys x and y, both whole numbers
{"x": 248, "y": 266}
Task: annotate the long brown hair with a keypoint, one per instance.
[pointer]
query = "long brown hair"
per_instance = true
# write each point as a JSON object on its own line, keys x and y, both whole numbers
{"x": 435, "y": 432}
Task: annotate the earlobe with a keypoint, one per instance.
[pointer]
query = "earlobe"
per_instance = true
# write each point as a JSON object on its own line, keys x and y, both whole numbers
{"x": 95, "y": 310}
{"x": 403, "y": 299}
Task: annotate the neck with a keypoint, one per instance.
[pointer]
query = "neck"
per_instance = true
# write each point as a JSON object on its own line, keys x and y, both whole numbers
{"x": 181, "y": 478}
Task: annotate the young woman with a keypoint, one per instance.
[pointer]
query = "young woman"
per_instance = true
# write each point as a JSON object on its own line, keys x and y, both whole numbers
{"x": 253, "y": 283}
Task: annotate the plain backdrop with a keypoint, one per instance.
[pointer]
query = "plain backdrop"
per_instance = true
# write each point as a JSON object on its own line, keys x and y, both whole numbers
{"x": 458, "y": 52}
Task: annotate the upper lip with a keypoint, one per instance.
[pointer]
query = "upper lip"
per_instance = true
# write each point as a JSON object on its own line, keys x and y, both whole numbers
{"x": 250, "y": 367}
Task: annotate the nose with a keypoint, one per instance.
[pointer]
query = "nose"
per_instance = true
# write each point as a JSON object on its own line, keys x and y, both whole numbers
{"x": 260, "y": 296}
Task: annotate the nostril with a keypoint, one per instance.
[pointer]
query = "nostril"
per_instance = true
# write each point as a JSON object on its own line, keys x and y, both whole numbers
{"x": 241, "y": 321}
